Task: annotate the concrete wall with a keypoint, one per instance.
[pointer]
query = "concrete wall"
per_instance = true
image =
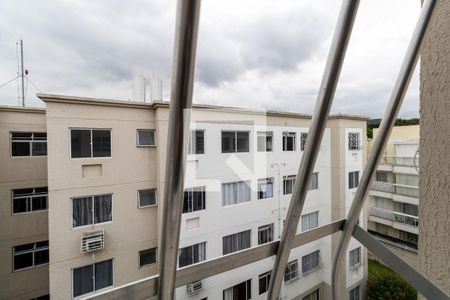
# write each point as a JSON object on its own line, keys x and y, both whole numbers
{"x": 19, "y": 229}
{"x": 434, "y": 207}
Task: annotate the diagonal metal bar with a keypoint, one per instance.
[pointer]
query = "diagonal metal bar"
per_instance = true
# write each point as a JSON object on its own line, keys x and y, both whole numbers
{"x": 188, "y": 12}
{"x": 388, "y": 122}
{"x": 324, "y": 100}
{"x": 417, "y": 280}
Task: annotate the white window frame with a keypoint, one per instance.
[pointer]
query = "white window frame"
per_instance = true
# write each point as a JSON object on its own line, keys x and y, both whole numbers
{"x": 35, "y": 249}
{"x": 268, "y": 231}
{"x": 354, "y": 141}
{"x": 93, "y": 279}
{"x": 353, "y": 183}
{"x": 265, "y": 276}
{"x": 314, "y": 295}
{"x": 264, "y": 182}
{"x": 307, "y": 218}
{"x": 291, "y": 273}
{"x": 139, "y": 198}
{"x": 303, "y": 137}
{"x": 92, "y": 144}
{"x": 312, "y": 265}
{"x": 201, "y": 251}
{"x": 29, "y": 201}
{"x": 235, "y": 236}
{"x": 356, "y": 293}
{"x": 265, "y": 135}
{"x": 314, "y": 182}
{"x": 237, "y": 199}
{"x": 93, "y": 211}
{"x": 235, "y": 141}
{"x": 289, "y": 179}
{"x": 286, "y": 136}
{"x": 31, "y": 142}
{"x": 193, "y": 144}
{"x": 248, "y": 288}
{"x": 201, "y": 189}
{"x": 138, "y": 142}
{"x": 354, "y": 257}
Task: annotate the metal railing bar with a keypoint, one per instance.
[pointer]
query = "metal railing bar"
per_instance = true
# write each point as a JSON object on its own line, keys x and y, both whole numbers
{"x": 145, "y": 288}
{"x": 386, "y": 125}
{"x": 188, "y": 12}
{"x": 417, "y": 280}
{"x": 324, "y": 100}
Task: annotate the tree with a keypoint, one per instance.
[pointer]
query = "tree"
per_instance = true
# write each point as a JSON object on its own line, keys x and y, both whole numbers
{"x": 388, "y": 286}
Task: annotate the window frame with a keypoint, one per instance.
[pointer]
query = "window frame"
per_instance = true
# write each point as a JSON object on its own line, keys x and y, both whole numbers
{"x": 246, "y": 182}
{"x": 93, "y": 279}
{"x": 266, "y": 277}
{"x": 91, "y": 143}
{"x": 285, "y": 136}
{"x": 138, "y": 140}
{"x": 311, "y": 268}
{"x": 353, "y": 179}
{"x": 248, "y": 289}
{"x": 291, "y": 178}
{"x": 314, "y": 179}
{"x": 303, "y": 138}
{"x": 357, "y": 296}
{"x": 31, "y": 142}
{"x": 269, "y": 231}
{"x": 33, "y": 251}
{"x": 139, "y": 198}
{"x": 351, "y": 257}
{"x": 201, "y": 247}
{"x": 350, "y": 140}
{"x": 265, "y": 135}
{"x": 192, "y": 145}
{"x": 235, "y": 147}
{"x": 314, "y": 295}
{"x": 29, "y": 204}
{"x": 192, "y": 190}
{"x": 291, "y": 273}
{"x": 236, "y": 235}
{"x": 308, "y": 215}
{"x": 264, "y": 181}
{"x": 93, "y": 210}
{"x": 147, "y": 265}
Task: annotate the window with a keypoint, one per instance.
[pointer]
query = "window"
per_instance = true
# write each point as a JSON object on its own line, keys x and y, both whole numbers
{"x": 354, "y": 293}
{"x": 310, "y": 262}
{"x": 91, "y": 210}
{"x": 29, "y": 200}
{"x": 264, "y": 141}
{"x": 44, "y": 297}
{"x": 191, "y": 254}
{"x": 354, "y": 142}
{"x": 355, "y": 257}
{"x": 236, "y": 242}
{"x": 265, "y": 234}
{"x": 291, "y": 271}
{"x": 147, "y": 198}
{"x": 28, "y": 144}
{"x": 264, "y": 282}
{"x": 146, "y": 138}
{"x": 303, "y": 136}
{"x": 241, "y": 291}
{"x": 147, "y": 257}
{"x": 288, "y": 141}
{"x": 235, "y": 192}
{"x": 194, "y": 199}
{"x": 382, "y": 176}
{"x": 235, "y": 141}
{"x": 92, "y": 277}
{"x": 310, "y": 221}
{"x": 353, "y": 179}
{"x": 197, "y": 142}
{"x": 288, "y": 184}
{"x": 313, "y": 296}
{"x": 88, "y": 143}
{"x": 405, "y": 208}
{"x": 30, "y": 255}
{"x": 314, "y": 183}
{"x": 265, "y": 188}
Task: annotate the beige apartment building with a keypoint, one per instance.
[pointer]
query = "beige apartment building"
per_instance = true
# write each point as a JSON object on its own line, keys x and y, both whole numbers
{"x": 23, "y": 204}
{"x": 105, "y": 163}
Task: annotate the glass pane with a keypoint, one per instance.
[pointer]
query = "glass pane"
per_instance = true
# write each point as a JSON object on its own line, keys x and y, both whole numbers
{"x": 20, "y": 148}
{"x": 80, "y": 143}
{"x": 199, "y": 142}
{"x": 22, "y": 261}
{"x": 102, "y": 208}
{"x": 146, "y": 137}
{"x": 83, "y": 280}
{"x": 39, "y": 203}
{"x": 20, "y": 205}
{"x": 24, "y": 247}
{"x": 22, "y": 192}
{"x": 103, "y": 274}
{"x": 39, "y": 148}
{"x": 82, "y": 211}
{"x": 147, "y": 257}
{"x": 243, "y": 142}
{"x": 23, "y": 136}
{"x": 101, "y": 140}
{"x": 41, "y": 257}
{"x": 186, "y": 256}
{"x": 42, "y": 136}
{"x": 147, "y": 198}
{"x": 228, "y": 141}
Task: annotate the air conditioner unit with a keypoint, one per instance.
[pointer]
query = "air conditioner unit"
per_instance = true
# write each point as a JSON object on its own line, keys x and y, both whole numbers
{"x": 194, "y": 287}
{"x": 92, "y": 241}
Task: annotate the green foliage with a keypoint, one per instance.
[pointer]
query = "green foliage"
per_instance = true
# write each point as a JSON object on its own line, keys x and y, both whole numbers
{"x": 384, "y": 284}
{"x": 375, "y": 123}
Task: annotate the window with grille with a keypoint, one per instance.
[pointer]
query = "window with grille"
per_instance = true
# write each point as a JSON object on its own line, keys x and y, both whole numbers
{"x": 355, "y": 257}
{"x": 235, "y": 192}
{"x": 354, "y": 141}
{"x": 264, "y": 141}
{"x": 265, "y": 188}
{"x": 265, "y": 234}
{"x": 235, "y": 141}
{"x": 30, "y": 255}
{"x": 29, "y": 199}
{"x": 353, "y": 179}
{"x": 288, "y": 184}
{"x": 310, "y": 262}
{"x": 236, "y": 242}
{"x": 303, "y": 136}
{"x": 382, "y": 176}
{"x": 194, "y": 199}
{"x": 291, "y": 271}
{"x": 288, "y": 141}
{"x": 28, "y": 144}
{"x": 310, "y": 221}
{"x": 197, "y": 142}
{"x": 192, "y": 254}
{"x": 263, "y": 281}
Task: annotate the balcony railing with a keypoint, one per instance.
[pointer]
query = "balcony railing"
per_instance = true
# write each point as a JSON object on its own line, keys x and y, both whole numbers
{"x": 400, "y": 161}
{"x": 394, "y": 188}
{"x": 394, "y": 216}
{"x": 385, "y": 187}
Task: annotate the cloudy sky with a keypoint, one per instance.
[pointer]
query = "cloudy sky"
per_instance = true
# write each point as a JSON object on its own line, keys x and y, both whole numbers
{"x": 251, "y": 53}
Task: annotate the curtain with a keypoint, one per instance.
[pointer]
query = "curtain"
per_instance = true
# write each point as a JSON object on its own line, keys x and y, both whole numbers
{"x": 229, "y": 193}
{"x": 103, "y": 274}
{"x": 82, "y": 280}
{"x": 82, "y": 211}
{"x": 228, "y": 294}
{"x": 102, "y": 208}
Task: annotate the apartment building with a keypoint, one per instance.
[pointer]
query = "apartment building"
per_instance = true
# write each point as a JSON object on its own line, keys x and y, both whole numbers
{"x": 106, "y": 165}
{"x": 394, "y": 195}
{"x": 23, "y": 204}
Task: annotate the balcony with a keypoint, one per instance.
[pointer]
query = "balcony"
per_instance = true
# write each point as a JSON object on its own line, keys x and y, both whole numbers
{"x": 400, "y": 161}
{"x": 399, "y": 220}
{"x": 398, "y": 189}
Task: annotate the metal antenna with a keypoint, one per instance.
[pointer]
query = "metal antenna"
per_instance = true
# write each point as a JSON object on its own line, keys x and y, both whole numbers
{"x": 22, "y": 73}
